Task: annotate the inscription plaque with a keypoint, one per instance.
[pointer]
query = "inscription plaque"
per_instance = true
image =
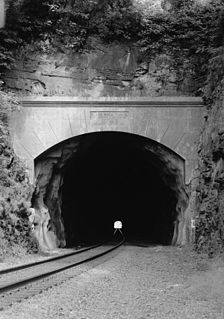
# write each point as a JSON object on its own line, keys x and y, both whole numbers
{"x": 109, "y": 118}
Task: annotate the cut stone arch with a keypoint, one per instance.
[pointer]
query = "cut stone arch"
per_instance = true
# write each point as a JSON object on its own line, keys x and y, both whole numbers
{"x": 52, "y": 166}
{"x": 43, "y": 122}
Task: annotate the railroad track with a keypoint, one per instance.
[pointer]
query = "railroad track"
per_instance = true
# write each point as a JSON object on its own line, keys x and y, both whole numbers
{"x": 21, "y": 282}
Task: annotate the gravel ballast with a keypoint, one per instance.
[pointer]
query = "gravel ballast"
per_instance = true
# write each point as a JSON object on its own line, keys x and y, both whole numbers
{"x": 133, "y": 282}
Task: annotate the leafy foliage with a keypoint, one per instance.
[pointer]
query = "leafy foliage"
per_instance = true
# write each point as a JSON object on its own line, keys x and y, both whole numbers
{"x": 189, "y": 35}
{"x": 182, "y": 4}
{"x": 15, "y": 190}
{"x": 210, "y": 221}
{"x": 7, "y": 45}
{"x": 118, "y": 21}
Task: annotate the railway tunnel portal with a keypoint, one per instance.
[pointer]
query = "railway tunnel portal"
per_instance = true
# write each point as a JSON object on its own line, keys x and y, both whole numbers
{"x": 94, "y": 162}
{"x": 88, "y": 182}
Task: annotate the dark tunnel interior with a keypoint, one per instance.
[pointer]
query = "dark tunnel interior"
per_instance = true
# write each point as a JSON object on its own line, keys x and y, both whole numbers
{"x": 112, "y": 177}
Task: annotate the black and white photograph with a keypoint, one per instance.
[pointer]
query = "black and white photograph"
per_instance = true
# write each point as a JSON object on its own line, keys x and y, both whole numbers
{"x": 112, "y": 159}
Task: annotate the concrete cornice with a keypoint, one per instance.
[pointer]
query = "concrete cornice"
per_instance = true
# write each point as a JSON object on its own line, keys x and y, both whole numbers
{"x": 113, "y": 102}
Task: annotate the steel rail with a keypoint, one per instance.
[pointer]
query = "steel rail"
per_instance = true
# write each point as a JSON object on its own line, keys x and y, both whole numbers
{"x": 24, "y": 282}
{"x": 48, "y": 260}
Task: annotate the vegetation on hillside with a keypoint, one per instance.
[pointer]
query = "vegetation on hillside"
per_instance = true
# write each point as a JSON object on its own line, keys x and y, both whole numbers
{"x": 15, "y": 191}
{"x": 190, "y": 33}
{"x": 210, "y": 206}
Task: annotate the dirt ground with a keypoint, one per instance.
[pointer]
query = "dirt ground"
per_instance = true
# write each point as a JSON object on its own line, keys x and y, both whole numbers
{"x": 134, "y": 283}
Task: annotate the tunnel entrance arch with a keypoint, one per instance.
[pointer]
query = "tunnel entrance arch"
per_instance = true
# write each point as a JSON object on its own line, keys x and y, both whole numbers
{"x": 85, "y": 183}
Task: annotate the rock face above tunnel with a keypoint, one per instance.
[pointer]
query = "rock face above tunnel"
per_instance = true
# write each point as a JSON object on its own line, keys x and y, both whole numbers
{"x": 101, "y": 71}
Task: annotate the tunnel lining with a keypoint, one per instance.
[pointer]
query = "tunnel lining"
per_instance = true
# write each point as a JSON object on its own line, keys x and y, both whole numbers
{"x": 50, "y": 167}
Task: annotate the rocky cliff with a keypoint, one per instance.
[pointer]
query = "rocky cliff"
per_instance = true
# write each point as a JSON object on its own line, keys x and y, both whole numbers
{"x": 103, "y": 70}
{"x": 210, "y": 188}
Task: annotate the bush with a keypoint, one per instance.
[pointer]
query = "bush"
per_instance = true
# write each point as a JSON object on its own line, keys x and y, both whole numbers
{"x": 15, "y": 190}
